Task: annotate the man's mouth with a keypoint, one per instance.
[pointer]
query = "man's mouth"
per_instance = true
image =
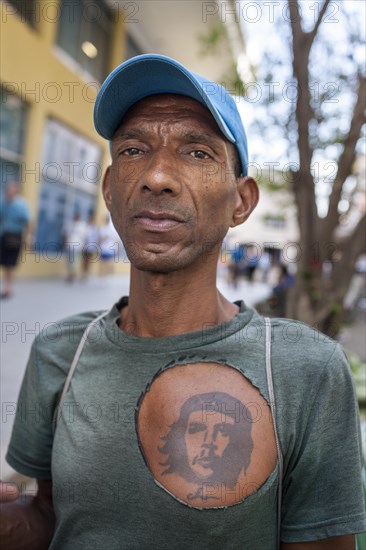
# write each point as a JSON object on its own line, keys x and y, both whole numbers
{"x": 157, "y": 221}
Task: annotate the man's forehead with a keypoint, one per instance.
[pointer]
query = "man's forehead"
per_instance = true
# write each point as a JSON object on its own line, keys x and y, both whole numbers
{"x": 173, "y": 100}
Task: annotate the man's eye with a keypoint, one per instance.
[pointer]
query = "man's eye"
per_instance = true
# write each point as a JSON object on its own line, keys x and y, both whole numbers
{"x": 198, "y": 154}
{"x": 131, "y": 151}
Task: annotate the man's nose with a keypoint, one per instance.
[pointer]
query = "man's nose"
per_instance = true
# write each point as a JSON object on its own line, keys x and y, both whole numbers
{"x": 161, "y": 174}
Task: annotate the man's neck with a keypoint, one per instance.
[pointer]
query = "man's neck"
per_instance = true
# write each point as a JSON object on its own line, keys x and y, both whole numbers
{"x": 167, "y": 304}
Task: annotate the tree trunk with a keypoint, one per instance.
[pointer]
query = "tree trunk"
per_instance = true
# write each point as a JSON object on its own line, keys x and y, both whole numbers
{"x": 317, "y": 297}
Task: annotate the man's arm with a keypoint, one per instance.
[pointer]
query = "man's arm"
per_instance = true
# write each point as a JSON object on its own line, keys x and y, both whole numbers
{"x": 346, "y": 542}
{"x": 26, "y": 523}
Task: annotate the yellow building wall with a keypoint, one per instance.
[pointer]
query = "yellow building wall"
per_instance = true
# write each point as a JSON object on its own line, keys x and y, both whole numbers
{"x": 32, "y": 69}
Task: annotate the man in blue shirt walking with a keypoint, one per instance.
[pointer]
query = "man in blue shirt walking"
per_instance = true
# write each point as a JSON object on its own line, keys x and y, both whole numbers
{"x": 14, "y": 220}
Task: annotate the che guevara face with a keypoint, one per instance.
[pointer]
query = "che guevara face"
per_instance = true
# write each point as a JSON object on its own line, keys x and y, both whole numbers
{"x": 206, "y": 439}
{"x": 211, "y": 440}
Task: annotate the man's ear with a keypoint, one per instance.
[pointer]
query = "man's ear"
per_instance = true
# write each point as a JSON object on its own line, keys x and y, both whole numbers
{"x": 106, "y": 189}
{"x": 246, "y": 200}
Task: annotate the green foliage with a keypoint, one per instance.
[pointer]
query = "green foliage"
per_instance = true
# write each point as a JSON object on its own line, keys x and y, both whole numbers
{"x": 306, "y": 274}
{"x": 273, "y": 184}
{"x": 358, "y": 368}
{"x": 335, "y": 308}
{"x": 211, "y": 43}
{"x": 315, "y": 295}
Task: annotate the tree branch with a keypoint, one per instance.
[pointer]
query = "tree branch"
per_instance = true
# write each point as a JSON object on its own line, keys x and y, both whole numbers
{"x": 350, "y": 247}
{"x": 355, "y": 243}
{"x": 314, "y": 32}
{"x": 346, "y": 159}
{"x": 300, "y": 65}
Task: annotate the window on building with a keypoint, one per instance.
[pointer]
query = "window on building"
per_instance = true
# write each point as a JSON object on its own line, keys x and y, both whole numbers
{"x": 12, "y": 129}
{"x": 70, "y": 174}
{"x": 26, "y": 9}
{"x": 85, "y": 32}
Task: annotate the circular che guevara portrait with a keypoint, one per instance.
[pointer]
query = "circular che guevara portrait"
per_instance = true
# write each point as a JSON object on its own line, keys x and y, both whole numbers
{"x": 206, "y": 434}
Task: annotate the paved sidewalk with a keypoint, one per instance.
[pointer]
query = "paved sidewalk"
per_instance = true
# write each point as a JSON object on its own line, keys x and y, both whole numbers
{"x": 38, "y": 302}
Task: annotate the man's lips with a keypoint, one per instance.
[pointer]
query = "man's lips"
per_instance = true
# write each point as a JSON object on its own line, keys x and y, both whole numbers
{"x": 157, "y": 221}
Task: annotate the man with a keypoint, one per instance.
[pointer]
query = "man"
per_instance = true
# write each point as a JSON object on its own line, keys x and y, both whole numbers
{"x": 91, "y": 246}
{"x": 74, "y": 243}
{"x": 14, "y": 221}
{"x": 176, "y": 183}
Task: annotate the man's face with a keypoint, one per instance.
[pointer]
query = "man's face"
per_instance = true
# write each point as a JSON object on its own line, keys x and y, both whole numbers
{"x": 206, "y": 439}
{"x": 170, "y": 189}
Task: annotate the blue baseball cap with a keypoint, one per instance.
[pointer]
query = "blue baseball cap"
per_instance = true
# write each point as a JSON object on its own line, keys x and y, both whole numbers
{"x": 152, "y": 74}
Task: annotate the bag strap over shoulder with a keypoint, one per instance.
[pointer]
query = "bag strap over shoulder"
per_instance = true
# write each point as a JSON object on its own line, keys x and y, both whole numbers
{"x": 74, "y": 363}
{"x": 272, "y": 404}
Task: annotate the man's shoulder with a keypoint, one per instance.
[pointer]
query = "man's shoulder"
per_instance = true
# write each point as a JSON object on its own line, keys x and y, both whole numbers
{"x": 60, "y": 339}
{"x": 304, "y": 351}
{"x": 292, "y": 331}
{"x": 295, "y": 331}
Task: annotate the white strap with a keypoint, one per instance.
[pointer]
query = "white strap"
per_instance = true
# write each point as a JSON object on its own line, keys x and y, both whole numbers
{"x": 58, "y": 410}
{"x": 272, "y": 405}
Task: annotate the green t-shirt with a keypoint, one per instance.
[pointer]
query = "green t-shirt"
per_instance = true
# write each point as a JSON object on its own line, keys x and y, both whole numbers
{"x": 118, "y": 485}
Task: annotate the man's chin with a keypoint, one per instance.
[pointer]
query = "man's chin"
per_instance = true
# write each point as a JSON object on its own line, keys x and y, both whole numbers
{"x": 155, "y": 266}
{"x": 159, "y": 262}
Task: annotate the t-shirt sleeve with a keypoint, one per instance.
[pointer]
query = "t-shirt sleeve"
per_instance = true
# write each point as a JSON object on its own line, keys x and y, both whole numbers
{"x": 30, "y": 446}
{"x": 322, "y": 487}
